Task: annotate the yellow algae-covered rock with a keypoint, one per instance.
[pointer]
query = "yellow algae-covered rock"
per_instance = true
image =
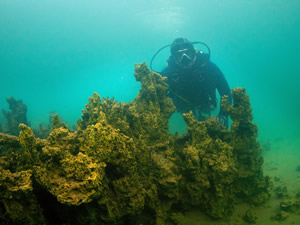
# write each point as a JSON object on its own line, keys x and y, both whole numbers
{"x": 57, "y": 123}
{"x": 146, "y": 116}
{"x": 124, "y": 193}
{"x": 72, "y": 178}
{"x": 75, "y": 179}
{"x": 28, "y": 153}
{"x": 8, "y": 140}
{"x": 208, "y": 168}
{"x": 106, "y": 144}
{"x": 167, "y": 175}
{"x": 18, "y": 199}
{"x": 246, "y": 149}
{"x": 152, "y": 102}
{"x": 122, "y": 166}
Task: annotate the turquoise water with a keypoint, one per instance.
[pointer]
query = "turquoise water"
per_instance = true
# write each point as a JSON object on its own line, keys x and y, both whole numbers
{"x": 55, "y": 54}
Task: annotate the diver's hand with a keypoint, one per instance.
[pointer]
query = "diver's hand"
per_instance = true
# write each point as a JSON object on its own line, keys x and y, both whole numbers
{"x": 223, "y": 120}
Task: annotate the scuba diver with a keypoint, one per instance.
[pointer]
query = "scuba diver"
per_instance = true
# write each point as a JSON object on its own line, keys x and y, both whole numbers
{"x": 193, "y": 80}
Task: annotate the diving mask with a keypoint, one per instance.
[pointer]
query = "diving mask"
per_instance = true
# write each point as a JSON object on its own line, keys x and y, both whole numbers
{"x": 185, "y": 57}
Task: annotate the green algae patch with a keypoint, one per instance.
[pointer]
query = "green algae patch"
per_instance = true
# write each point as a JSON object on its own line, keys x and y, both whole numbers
{"x": 122, "y": 166}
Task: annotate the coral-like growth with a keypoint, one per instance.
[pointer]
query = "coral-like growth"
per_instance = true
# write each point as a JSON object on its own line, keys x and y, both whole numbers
{"x": 121, "y": 166}
{"x": 209, "y": 168}
{"x": 246, "y": 150}
{"x": 15, "y": 116}
{"x": 18, "y": 202}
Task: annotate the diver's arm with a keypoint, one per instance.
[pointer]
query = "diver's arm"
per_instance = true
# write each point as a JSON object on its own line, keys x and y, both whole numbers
{"x": 222, "y": 87}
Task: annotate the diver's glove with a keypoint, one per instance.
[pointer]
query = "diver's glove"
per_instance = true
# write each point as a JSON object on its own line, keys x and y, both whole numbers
{"x": 223, "y": 120}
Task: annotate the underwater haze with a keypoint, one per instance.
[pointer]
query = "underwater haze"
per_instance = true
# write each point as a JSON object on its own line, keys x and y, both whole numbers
{"x": 55, "y": 54}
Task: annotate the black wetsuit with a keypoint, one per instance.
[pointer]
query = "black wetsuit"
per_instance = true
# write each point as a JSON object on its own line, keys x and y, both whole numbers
{"x": 195, "y": 88}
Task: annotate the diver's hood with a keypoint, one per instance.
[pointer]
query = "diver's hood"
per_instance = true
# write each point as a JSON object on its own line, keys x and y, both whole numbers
{"x": 185, "y": 56}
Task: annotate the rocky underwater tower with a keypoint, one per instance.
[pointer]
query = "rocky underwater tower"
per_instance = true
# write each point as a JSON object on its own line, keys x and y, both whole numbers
{"x": 122, "y": 166}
